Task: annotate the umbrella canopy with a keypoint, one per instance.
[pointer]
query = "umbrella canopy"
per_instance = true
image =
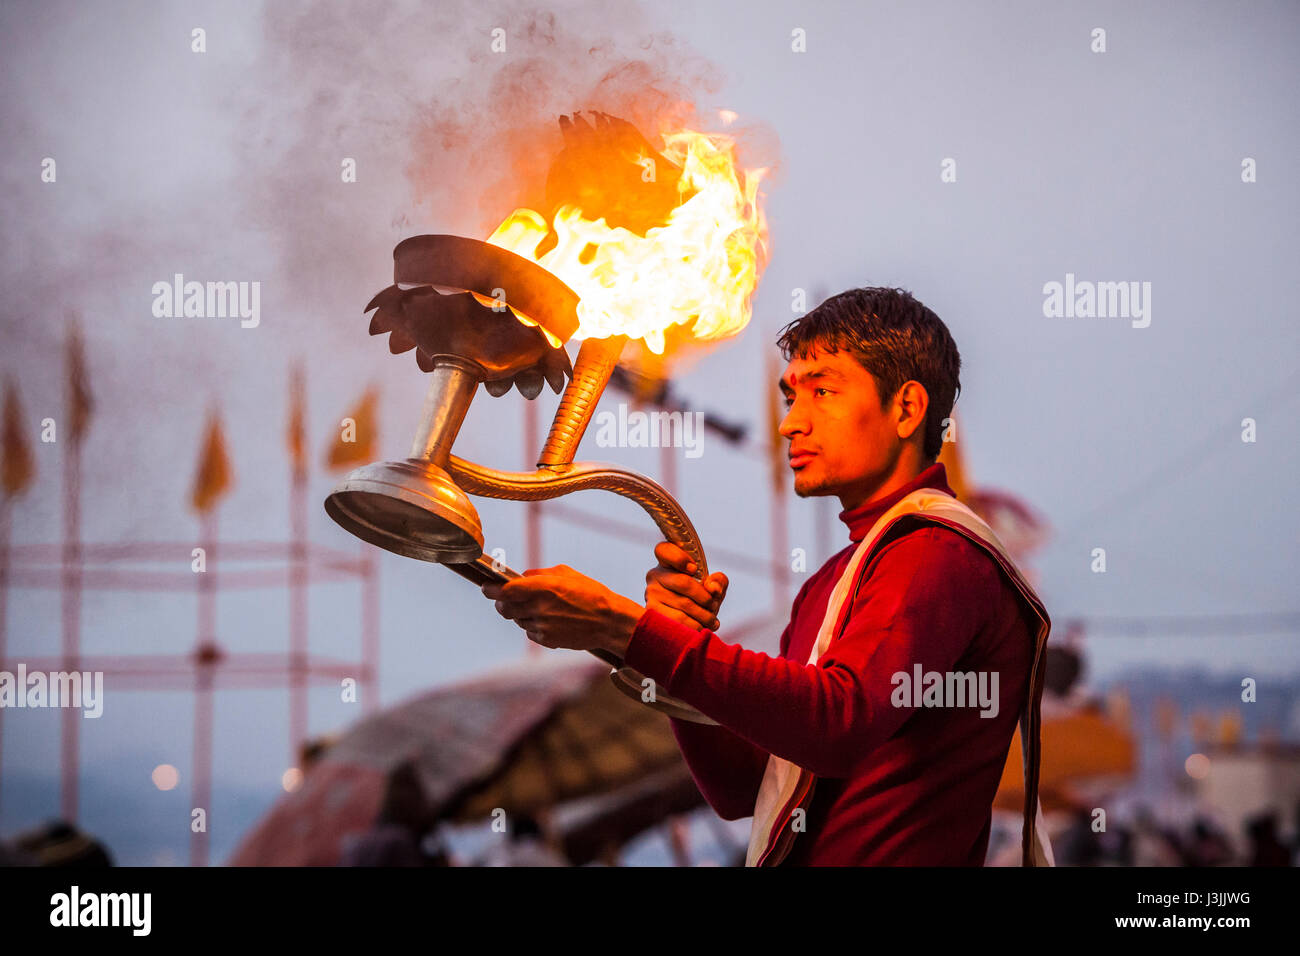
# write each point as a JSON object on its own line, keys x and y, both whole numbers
{"x": 591, "y": 743}
{"x": 521, "y": 739}
{"x": 588, "y": 826}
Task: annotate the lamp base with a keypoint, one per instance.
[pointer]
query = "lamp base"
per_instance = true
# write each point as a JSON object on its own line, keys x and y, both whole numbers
{"x": 411, "y": 508}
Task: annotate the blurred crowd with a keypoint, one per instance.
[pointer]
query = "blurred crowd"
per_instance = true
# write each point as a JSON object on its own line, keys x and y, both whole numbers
{"x": 395, "y": 842}
{"x": 1148, "y": 842}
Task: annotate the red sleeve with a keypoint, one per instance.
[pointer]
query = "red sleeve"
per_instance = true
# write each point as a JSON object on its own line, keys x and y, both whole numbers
{"x": 927, "y": 596}
{"x": 727, "y": 769}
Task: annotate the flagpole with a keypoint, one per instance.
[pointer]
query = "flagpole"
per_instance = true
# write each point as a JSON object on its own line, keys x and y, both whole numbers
{"x": 16, "y": 472}
{"x": 211, "y": 482}
{"x": 71, "y": 581}
{"x": 370, "y": 628}
{"x": 298, "y": 570}
{"x": 342, "y": 453}
{"x": 205, "y": 658}
{"x": 79, "y": 407}
{"x": 370, "y": 609}
{"x": 5, "y": 517}
{"x": 298, "y": 616}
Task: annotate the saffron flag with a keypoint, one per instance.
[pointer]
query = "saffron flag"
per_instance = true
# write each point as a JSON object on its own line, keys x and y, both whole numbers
{"x": 80, "y": 401}
{"x": 1229, "y": 728}
{"x": 213, "y": 477}
{"x": 355, "y": 443}
{"x": 18, "y": 469}
{"x": 296, "y": 434}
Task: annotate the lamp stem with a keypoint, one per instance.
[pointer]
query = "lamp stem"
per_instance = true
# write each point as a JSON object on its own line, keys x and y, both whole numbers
{"x": 451, "y": 389}
{"x": 591, "y": 371}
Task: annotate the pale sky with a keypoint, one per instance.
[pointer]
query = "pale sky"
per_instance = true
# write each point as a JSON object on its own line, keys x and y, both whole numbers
{"x": 1116, "y": 166}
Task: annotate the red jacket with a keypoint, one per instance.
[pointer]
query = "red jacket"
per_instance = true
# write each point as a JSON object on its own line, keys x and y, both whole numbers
{"x": 896, "y": 785}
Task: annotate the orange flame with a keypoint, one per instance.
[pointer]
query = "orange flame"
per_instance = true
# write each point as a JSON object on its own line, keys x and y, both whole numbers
{"x": 701, "y": 267}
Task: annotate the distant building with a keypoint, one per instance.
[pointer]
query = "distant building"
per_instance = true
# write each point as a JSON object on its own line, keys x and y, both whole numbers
{"x": 1243, "y": 782}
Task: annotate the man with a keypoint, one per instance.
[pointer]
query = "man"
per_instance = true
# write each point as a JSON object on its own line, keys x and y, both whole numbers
{"x": 831, "y": 749}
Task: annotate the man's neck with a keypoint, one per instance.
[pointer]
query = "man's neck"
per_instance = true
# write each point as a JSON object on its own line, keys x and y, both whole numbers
{"x": 906, "y": 470}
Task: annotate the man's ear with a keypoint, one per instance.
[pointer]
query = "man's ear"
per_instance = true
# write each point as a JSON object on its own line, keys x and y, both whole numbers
{"x": 913, "y": 402}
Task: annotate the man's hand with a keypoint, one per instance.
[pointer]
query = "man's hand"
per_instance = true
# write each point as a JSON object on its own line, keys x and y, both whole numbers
{"x": 559, "y": 607}
{"x": 673, "y": 592}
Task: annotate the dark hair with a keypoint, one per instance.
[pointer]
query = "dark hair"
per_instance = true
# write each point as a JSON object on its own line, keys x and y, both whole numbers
{"x": 895, "y": 338}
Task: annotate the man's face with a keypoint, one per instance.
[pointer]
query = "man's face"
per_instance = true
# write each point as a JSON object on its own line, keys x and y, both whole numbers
{"x": 841, "y": 441}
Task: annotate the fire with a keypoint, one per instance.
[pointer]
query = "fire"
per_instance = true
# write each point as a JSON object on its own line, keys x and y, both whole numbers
{"x": 699, "y": 267}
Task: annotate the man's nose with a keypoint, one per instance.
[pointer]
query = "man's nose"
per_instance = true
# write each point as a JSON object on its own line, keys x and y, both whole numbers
{"x": 794, "y": 421}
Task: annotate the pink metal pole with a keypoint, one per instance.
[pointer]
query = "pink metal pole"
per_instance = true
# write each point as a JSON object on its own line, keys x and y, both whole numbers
{"x": 370, "y": 622}
{"x": 298, "y": 617}
{"x": 202, "y": 784}
{"x": 370, "y": 629}
{"x": 205, "y": 660}
{"x": 6, "y": 511}
{"x": 68, "y": 750}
